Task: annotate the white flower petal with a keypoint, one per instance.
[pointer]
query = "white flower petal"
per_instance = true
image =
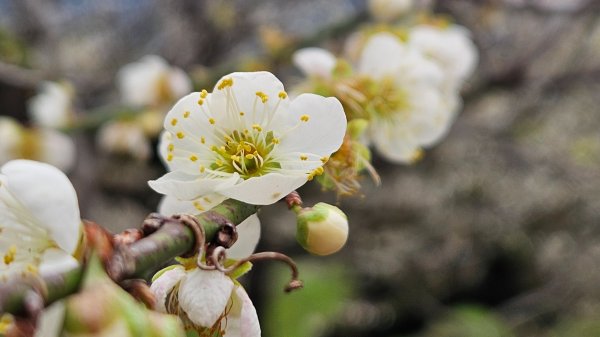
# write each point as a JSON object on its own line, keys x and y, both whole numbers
{"x": 248, "y": 236}
{"x": 10, "y": 139}
{"x": 164, "y": 284}
{"x": 203, "y": 295}
{"x": 56, "y": 149}
{"x": 395, "y": 143}
{"x": 242, "y": 320}
{"x": 184, "y": 186}
{"x": 51, "y": 107}
{"x": 50, "y": 322}
{"x": 55, "y": 261}
{"x": 314, "y": 62}
{"x": 171, "y": 205}
{"x": 383, "y": 54}
{"x": 49, "y": 196}
{"x": 324, "y": 131}
{"x": 264, "y": 190}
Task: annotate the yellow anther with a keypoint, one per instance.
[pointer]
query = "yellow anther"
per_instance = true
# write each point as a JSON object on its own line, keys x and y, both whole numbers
{"x": 303, "y": 157}
{"x": 283, "y": 95}
{"x": 200, "y": 101}
{"x": 170, "y": 157}
{"x": 304, "y": 118}
{"x": 417, "y": 155}
{"x": 202, "y": 140}
{"x": 249, "y": 156}
{"x": 226, "y": 82}
{"x": 198, "y": 206}
{"x": 246, "y": 131}
{"x": 203, "y": 93}
{"x": 235, "y": 158}
{"x": 186, "y": 114}
{"x": 207, "y": 199}
{"x": 263, "y": 97}
{"x": 214, "y": 148}
{"x": 180, "y": 135}
{"x": 219, "y": 162}
{"x": 9, "y": 257}
{"x": 275, "y": 140}
{"x": 324, "y": 159}
{"x": 242, "y": 113}
{"x": 318, "y": 171}
{"x": 211, "y": 120}
{"x": 222, "y": 148}
{"x": 31, "y": 268}
{"x": 171, "y": 147}
{"x": 256, "y": 127}
{"x": 202, "y": 168}
{"x": 174, "y": 121}
{"x": 193, "y": 158}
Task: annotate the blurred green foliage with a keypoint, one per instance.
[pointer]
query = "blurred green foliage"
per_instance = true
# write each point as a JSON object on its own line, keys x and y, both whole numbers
{"x": 12, "y": 50}
{"x": 306, "y": 312}
{"x": 468, "y": 321}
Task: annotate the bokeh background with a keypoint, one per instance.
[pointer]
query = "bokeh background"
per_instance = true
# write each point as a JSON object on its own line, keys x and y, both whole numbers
{"x": 496, "y": 232}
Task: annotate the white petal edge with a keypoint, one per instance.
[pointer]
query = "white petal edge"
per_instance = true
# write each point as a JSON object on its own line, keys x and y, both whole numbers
{"x": 264, "y": 190}
{"x": 204, "y": 294}
{"x": 163, "y": 285}
{"x": 184, "y": 186}
{"x": 242, "y": 320}
{"x": 248, "y": 237}
{"x": 170, "y": 205}
{"x": 324, "y": 131}
{"x": 314, "y": 62}
{"x": 56, "y": 261}
{"x": 383, "y": 54}
{"x": 48, "y": 194}
{"x": 50, "y": 322}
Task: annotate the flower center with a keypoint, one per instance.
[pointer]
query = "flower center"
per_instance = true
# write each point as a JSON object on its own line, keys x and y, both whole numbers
{"x": 247, "y": 153}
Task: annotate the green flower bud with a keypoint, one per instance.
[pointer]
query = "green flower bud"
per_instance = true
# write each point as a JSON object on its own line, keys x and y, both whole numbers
{"x": 322, "y": 229}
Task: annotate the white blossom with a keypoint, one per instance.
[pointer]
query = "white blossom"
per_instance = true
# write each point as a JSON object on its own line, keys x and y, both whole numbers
{"x": 52, "y": 107}
{"x": 389, "y": 10}
{"x": 39, "y": 219}
{"x": 450, "y": 47}
{"x": 248, "y": 141}
{"x": 152, "y": 81}
{"x": 125, "y": 138}
{"x": 209, "y": 298}
{"x": 417, "y": 111}
{"x": 43, "y": 144}
{"x": 314, "y": 62}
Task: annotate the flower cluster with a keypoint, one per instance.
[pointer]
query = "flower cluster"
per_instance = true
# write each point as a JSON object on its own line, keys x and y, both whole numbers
{"x": 403, "y": 81}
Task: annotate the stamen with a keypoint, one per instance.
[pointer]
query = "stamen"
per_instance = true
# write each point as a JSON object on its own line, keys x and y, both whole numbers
{"x": 186, "y": 114}
{"x": 193, "y": 158}
{"x": 283, "y": 95}
{"x": 211, "y": 120}
{"x": 9, "y": 257}
{"x": 304, "y": 118}
{"x": 263, "y": 97}
{"x": 180, "y": 135}
{"x": 174, "y": 121}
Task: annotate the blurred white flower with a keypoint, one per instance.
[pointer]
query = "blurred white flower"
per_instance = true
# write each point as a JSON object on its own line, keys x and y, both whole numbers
{"x": 52, "y": 107}
{"x": 124, "y": 138}
{"x": 152, "y": 81}
{"x": 389, "y": 10}
{"x": 41, "y": 144}
{"x": 314, "y": 62}
{"x": 415, "y": 111}
{"x": 450, "y": 47}
{"x": 39, "y": 219}
{"x": 247, "y": 141}
{"x": 210, "y": 300}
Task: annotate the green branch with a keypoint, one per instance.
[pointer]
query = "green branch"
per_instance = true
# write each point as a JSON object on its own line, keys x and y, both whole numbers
{"x": 24, "y": 296}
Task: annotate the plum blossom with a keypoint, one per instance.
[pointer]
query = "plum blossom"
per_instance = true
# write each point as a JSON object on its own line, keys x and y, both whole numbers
{"x": 450, "y": 47}
{"x": 247, "y": 140}
{"x": 43, "y": 144}
{"x": 208, "y": 301}
{"x": 52, "y": 107}
{"x": 39, "y": 219}
{"x": 151, "y": 81}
